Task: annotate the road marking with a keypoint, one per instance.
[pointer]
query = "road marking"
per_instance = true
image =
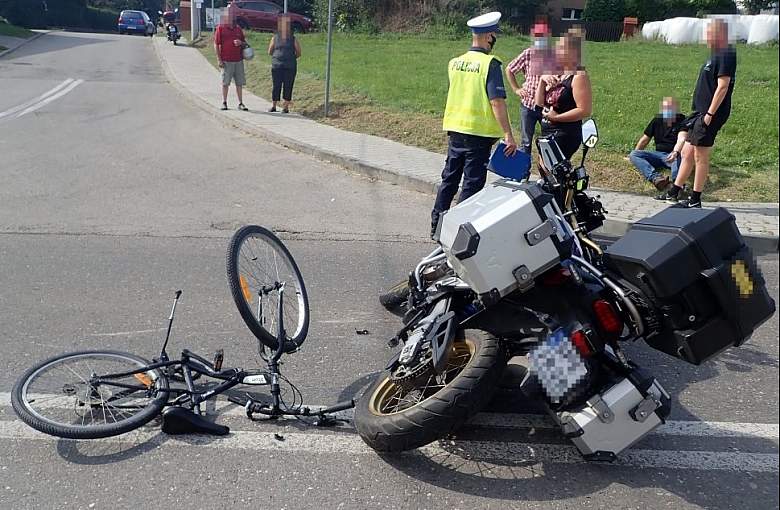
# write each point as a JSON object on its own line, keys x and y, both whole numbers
{"x": 31, "y": 102}
{"x": 129, "y": 333}
{"x": 670, "y": 428}
{"x": 51, "y": 98}
{"x": 769, "y": 431}
{"x": 480, "y": 451}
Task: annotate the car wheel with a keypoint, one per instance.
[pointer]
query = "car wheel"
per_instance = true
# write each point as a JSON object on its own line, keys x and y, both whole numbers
{"x": 297, "y": 28}
{"x": 243, "y": 24}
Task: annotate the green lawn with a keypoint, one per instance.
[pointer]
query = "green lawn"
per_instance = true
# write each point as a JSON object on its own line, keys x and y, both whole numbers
{"x": 395, "y": 86}
{"x": 14, "y": 31}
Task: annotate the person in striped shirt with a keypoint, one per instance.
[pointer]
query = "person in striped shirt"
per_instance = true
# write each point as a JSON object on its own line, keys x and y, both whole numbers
{"x": 532, "y": 63}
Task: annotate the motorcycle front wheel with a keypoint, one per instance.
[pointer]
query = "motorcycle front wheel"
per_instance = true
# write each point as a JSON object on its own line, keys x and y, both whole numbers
{"x": 392, "y": 417}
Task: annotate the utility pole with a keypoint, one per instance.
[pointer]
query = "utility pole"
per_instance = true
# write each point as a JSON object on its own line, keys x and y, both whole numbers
{"x": 330, "y": 52}
{"x": 193, "y": 20}
{"x": 285, "y": 6}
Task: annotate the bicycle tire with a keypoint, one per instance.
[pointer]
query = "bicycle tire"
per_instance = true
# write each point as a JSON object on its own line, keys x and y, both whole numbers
{"x": 239, "y": 288}
{"x": 33, "y": 418}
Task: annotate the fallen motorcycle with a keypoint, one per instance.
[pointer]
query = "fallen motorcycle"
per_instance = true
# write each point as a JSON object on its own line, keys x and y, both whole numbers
{"x": 517, "y": 273}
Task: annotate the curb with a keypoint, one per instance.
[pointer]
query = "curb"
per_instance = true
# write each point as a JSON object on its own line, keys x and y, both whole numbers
{"x": 351, "y": 164}
{"x": 612, "y": 228}
{"x": 38, "y": 35}
{"x": 758, "y": 244}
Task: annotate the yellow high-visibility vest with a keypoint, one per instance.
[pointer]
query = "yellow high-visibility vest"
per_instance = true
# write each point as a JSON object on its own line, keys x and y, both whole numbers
{"x": 468, "y": 109}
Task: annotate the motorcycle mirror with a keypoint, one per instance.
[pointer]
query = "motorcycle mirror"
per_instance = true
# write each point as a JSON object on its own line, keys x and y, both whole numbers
{"x": 590, "y": 133}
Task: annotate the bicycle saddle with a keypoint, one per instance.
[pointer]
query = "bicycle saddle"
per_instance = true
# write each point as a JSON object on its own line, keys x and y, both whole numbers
{"x": 177, "y": 420}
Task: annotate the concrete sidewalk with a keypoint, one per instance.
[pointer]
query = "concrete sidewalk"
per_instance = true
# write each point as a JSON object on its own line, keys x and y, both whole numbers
{"x": 393, "y": 162}
{"x": 12, "y": 43}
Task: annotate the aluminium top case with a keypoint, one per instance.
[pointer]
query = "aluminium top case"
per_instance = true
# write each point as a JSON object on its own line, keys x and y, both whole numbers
{"x": 500, "y": 239}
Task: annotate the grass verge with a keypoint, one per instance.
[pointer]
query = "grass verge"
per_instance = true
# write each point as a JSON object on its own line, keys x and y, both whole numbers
{"x": 13, "y": 31}
{"x": 395, "y": 86}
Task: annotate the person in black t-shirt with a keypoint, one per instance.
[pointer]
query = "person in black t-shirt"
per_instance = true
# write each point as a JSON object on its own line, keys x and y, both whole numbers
{"x": 669, "y": 141}
{"x": 711, "y": 109}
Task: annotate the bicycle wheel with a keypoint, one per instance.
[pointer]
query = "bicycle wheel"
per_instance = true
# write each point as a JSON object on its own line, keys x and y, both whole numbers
{"x": 76, "y": 396}
{"x": 258, "y": 266}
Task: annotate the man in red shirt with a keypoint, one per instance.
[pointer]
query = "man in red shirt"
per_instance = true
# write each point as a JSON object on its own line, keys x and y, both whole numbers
{"x": 533, "y": 62}
{"x": 229, "y": 43}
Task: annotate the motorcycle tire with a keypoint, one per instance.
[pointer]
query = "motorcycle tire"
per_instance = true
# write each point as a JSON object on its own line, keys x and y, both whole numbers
{"x": 439, "y": 413}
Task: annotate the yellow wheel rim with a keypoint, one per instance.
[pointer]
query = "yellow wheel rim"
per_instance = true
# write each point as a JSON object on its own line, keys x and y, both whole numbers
{"x": 390, "y": 398}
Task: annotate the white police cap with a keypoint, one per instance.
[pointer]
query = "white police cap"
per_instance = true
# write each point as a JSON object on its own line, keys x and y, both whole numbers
{"x": 485, "y": 23}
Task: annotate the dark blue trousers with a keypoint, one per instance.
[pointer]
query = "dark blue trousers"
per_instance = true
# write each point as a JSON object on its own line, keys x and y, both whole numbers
{"x": 467, "y": 158}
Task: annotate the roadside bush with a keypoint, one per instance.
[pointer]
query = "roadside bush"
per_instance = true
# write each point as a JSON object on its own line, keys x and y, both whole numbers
{"x": 100, "y": 19}
{"x": 604, "y": 10}
{"x": 58, "y": 13}
{"x": 348, "y": 15}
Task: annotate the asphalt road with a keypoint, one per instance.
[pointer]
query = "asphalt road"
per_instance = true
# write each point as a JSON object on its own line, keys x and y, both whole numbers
{"x": 118, "y": 192}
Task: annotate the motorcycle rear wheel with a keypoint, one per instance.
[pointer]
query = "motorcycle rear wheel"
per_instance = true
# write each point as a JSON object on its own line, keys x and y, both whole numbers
{"x": 391, "y": 418}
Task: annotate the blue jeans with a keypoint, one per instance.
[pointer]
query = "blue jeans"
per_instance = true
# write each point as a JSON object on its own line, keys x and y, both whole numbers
{"x": 650, "y": 162}
{"x": 528, "y": 119}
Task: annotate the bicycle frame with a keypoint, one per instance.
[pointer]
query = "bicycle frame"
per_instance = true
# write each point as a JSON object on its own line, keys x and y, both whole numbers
{"x": 191, "y": 363}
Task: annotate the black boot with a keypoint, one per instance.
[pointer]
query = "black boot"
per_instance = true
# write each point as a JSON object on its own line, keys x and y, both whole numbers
{"x": 434, "y": 223}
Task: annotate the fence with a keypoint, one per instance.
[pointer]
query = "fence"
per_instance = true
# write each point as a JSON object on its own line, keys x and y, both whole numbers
{"x": 600, "y": 31}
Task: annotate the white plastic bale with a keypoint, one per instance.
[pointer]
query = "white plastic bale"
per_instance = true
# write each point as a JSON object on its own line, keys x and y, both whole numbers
{"x": 652, "y": 30}
{"x": 756, "y": 29}
{"x": 683, "y": 30}
{"x": 765, "y": 28}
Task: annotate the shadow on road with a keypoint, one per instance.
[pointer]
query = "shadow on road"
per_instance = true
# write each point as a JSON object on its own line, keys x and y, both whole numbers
{"x": 456, "y": 465}
{"x": 51, "y": 42}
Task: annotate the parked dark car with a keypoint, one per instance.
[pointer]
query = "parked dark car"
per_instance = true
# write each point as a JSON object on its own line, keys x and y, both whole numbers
{"x": 263, "y": 15}
{"x": 135, "y": 22}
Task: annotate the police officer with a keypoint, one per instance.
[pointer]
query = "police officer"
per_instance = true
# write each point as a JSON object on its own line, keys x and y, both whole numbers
{"x": 475, "y": 116}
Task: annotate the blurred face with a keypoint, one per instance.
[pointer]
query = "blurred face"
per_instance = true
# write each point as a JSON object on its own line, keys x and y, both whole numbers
{"x": 541, "y": 42}
{"x": 230, "y": 16}
{"x": 716, "y": 35}
{"x": 283, "y": 25}
{"x": 567, "y": 53}
{"x": 668, "y": 108}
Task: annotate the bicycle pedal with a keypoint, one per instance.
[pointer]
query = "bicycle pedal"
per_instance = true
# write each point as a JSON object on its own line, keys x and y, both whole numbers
{"x": 219, "y": 357}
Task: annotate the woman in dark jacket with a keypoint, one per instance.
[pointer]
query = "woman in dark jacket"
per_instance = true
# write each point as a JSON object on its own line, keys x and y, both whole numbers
{"x": 285, "y": 51}
{"x": 566, "y": 98}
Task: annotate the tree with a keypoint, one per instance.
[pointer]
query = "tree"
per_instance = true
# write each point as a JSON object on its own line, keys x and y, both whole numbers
{"x": 518, "y": 11}
{"x": 704, "y": 7}
{"x": 755, "y": 6}
{"x": 604, "y": 10}
{"x": 646, "y": 10}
